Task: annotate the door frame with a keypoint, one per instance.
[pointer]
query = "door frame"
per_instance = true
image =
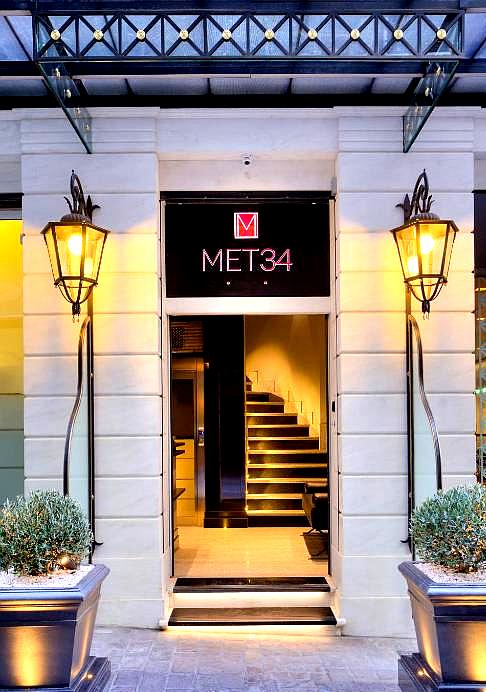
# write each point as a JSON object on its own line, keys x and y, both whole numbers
{"x": 199, "y": 307}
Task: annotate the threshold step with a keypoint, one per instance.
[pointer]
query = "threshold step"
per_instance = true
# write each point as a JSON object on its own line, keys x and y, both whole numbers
{"x": 181, "y": 617}
{"x": 257, "y": 584}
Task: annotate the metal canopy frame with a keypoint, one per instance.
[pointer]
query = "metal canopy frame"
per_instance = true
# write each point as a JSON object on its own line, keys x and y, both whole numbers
{"x": 78, "y": 41}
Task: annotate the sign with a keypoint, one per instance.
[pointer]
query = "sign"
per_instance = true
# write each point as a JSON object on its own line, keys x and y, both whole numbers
{"x": 246, "y": 225}
{"x": 250, "y": 248}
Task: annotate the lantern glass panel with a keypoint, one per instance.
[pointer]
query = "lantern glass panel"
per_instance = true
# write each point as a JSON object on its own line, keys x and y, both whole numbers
{"x": 425, "y": 248}
{"x": 51, "y": 249}
{"x": 75, "y": 250}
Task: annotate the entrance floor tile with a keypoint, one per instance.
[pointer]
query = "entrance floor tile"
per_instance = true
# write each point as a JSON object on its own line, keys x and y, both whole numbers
{"x": 250, "y": 552}
{"x": 251, "y": 660}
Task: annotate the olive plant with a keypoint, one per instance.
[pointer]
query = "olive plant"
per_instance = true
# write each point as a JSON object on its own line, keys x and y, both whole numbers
{"x": 449, "y": 528}
{"x": 39, "y": 531}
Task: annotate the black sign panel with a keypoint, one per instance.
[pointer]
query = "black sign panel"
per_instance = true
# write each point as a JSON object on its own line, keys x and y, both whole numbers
{"x": 247, "y": 248}
{"x": 480, "y": 233}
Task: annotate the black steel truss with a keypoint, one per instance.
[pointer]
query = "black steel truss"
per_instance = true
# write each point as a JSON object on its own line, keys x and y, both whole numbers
{"x": 248, "y": 36}
{"x": 95, "y": 38}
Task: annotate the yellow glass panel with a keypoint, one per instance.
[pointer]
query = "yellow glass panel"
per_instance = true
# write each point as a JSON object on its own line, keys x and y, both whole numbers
{"x": 10, "y": 268}
{"x": 11, "y": 360}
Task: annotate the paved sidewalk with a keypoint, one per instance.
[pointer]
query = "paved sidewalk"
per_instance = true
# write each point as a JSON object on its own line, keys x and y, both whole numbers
{"x": 232, "y": 661}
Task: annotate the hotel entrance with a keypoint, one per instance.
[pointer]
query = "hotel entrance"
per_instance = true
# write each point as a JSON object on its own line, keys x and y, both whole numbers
{"x": 248, "y": 416}
{"x": 250, "y": 446}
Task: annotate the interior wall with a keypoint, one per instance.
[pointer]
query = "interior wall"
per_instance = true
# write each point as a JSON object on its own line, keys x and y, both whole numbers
{"x": 11, "y": 362}
{"x": 287, "y": 354}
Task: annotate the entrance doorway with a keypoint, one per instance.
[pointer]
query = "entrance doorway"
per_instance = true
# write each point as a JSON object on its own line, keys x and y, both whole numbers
{"x": 250, "y": 491}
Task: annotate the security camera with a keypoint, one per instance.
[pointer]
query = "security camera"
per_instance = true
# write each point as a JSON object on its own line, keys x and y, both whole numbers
{"x": 247, "y": 159}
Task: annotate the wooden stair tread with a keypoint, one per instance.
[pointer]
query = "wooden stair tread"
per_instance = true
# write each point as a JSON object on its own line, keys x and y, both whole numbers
{"x": 274, "y": 496}
{"x": 284, "y": 465}
{"x": 266, "y": 413}
{"x": 293, "y": 437}
{"x": 280, "y": 479}
{"x": 276, "y": 512}
{"x": 286, "y": 451}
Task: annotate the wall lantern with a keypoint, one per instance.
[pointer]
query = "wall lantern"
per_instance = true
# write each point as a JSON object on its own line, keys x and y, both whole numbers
{"x": 424, "y": 244}
{"x": 75, "y": 248}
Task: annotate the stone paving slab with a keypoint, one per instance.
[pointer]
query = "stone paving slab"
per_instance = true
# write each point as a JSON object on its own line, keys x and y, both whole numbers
{"x": 225, "y": 660}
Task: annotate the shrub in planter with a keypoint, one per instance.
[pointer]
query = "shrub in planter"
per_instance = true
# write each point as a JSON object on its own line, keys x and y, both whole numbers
{"x": 447, "y": 589}
{"x": 41, "y": 533}
{"x": 47, "y": 616}
{"x": 449, "y": 529}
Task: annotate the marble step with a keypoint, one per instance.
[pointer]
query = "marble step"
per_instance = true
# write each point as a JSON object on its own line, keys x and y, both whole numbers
{"x": 263, "y": 615}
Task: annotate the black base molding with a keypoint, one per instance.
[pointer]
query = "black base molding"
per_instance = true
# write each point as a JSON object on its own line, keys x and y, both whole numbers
{"x": 92, "y": 679}
{"x": 252, "y": 584}
{"x": 414, "y": 675}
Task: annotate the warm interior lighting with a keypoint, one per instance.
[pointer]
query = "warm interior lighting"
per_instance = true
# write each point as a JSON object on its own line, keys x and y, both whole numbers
{"x": 424, "y": 244}
{"x": 75, "y": 251}
{"x": 413, "y": 265}
{"x": 75, "y": 244}
{"x": 425, "y": 247}
{"x": 75, "y": 247}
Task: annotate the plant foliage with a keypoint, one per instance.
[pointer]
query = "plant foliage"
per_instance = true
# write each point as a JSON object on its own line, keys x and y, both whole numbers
{"x": 449, "y": 528}
{"x": 37, "y": 531}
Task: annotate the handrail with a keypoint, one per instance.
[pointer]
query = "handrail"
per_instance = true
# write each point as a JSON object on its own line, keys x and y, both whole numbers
{"x": 76, "y": 407}
{"x": 425, "y": 402}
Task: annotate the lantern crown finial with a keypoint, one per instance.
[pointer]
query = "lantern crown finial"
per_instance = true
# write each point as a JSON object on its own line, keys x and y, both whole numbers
{"x": 419, "y": 207}
{"x": 79, "y": 208}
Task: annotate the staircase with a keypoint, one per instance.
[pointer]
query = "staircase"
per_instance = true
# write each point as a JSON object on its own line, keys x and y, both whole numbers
{"x": 281, "y": 457}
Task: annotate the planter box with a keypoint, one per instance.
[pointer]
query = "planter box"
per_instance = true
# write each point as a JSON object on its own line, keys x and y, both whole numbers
{"x": 45, "y": 637}
{"x": 450, "y": 624}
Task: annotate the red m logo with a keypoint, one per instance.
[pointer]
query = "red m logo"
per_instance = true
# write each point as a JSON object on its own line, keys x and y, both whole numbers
{"x": 246, "y": 225}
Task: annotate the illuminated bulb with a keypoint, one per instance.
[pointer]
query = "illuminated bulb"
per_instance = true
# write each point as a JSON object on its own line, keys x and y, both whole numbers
{"x": 413, "y": 266}
{"x": 426, "y": 244}
{"x": 88, "y": 266}
{"x": 75, "y": 244}
{"x": 67, "y": 562}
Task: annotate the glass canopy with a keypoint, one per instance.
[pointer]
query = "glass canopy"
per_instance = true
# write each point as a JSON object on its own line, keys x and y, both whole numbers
{"x": 209, "y": 58}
